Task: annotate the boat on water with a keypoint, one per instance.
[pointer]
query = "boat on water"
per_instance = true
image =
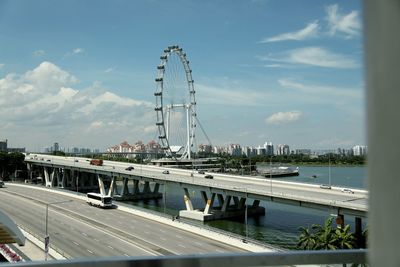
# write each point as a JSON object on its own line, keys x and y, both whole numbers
{"x": 281, "y": 171}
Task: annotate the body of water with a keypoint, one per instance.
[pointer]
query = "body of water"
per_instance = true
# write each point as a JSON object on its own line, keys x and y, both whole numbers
{"x": 280, "y": 225}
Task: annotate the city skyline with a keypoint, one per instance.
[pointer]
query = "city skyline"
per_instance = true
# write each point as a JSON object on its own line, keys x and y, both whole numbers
{"x": 283, "y": 72}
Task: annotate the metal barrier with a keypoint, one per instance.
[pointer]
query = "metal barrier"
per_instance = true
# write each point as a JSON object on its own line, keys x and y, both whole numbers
{"x": 298, "y": 258}
{"x": 41, "y": 239}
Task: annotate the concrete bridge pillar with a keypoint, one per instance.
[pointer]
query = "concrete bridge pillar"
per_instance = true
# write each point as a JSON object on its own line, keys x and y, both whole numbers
{"x": 209, "y": 202}
{"x": 125, "y": 188}
{"x": 137, "y": 192}
{"x": 101, "y": 185}
{"x": 146, "y": 188}
{"x": 48, "y": 176}
{"x": 102, "y": 188}
{"x": 188, "y": 201}
{"x": 226, "y": 203}
{"x": 136, "y": 189}
{"x": 156, "y": 188}
{"x": 225, "y": 209}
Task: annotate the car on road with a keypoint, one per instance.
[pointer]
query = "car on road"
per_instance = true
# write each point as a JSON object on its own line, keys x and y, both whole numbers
{"x": 325, "y": 186}
{"x": 201, "y": 172}
{"x": 166, "y": 172}
{"x": 1, "y": 184}
{"x": 208, "y": 176}
{"x": 347, "y": 190}
{"x": 48, "y": 160}
{"x": 76, "y": 160}
{"x": 129, "y": 168}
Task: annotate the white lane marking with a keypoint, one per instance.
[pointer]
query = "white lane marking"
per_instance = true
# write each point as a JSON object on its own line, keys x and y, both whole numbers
{"x": 178, "y": 236}
{"x": 75, "y": 243}
{"x": 220, "y": 251}
{"x": 126, "y": 255}
{"x": 85, "y": 234}
{"x": 110, "y": 247}
{"x": 198, "y": 243}
{"x": 96, "y": 240}
{"x": 181, "y": 245}
{"x": 91, "y": 252}
{"x": 146, "y": 232}
{"x": 162, "y": 231}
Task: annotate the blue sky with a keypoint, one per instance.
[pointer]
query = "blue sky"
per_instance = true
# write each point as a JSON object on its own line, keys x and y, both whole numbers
{"x": 82, "y": 72}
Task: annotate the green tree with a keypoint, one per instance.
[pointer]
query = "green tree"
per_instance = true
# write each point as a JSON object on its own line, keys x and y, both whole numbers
{"x": 326, "y": 236}
{"x": 345, "y": 239}
{"x": 307, "y": 240}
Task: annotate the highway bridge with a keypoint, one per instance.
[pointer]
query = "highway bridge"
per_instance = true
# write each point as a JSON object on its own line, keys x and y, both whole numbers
{"x": 230, "y": 191}
{"x": 78, "y": 230}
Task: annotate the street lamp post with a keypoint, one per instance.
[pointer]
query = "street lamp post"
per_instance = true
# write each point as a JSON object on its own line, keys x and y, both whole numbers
{"x": 165, "y": 197}
{"x": 47, "y": 238}
{"x": 270, "y": 172}
{"x": 245, "y": 211}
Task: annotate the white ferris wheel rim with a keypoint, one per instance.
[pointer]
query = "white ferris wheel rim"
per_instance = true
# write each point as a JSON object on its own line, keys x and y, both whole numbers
{"x": 190, "y": 106}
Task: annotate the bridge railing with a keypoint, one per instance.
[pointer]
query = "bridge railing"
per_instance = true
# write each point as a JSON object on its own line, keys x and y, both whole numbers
{"x": 294, "y": 258}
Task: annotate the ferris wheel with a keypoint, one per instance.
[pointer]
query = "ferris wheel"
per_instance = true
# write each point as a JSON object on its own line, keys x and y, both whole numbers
{"x": 175, "y": 104}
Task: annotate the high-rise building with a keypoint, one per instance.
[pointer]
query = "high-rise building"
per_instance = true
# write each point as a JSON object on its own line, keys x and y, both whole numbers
{"x": 3, "y": 146}
{"x": 261, "y": 151}
{"x": 282, "y": 149}
{"x": 359, "y": 150}
{"x": 56, "y": 147}
{"x": 269, "y": 148}
{"x": 234, "y": 150}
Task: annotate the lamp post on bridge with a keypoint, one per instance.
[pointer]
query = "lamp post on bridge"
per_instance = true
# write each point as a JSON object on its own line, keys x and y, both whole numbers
{"x": 47, "y": 237}
{"x": 270, "y": 173}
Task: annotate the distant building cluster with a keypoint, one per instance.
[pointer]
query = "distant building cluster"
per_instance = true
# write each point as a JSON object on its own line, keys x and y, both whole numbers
{"x": 4, "y": 147}
{"x": 268, "y": 149}
{"x": 139, "y": 147}
{"x": 70, "y": 150}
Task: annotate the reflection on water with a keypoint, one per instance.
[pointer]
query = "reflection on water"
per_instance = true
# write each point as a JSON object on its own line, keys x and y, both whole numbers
{"x": 280, "y": 225}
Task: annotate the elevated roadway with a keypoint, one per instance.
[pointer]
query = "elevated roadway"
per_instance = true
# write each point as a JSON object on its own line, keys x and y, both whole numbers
{"x": 309, "y": 195}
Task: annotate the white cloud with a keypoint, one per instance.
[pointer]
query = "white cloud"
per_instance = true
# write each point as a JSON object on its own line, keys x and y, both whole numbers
{"x": 322, "y": 91}
{"x": 230, "y": 96}
{"x": 348, "y": 24}
{"x": 109, "y": 70}
{"x": 78, "y": 51}
{"x": 42, "y": 104}
{"x": 310, "y": 31}
{"x": 314, "y": 56}
{"x": 38, "y": 53}
{"x": 283, "y": 117}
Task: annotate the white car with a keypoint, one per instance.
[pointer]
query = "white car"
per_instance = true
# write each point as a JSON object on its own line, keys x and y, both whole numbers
{"x": 347, "y": 190}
